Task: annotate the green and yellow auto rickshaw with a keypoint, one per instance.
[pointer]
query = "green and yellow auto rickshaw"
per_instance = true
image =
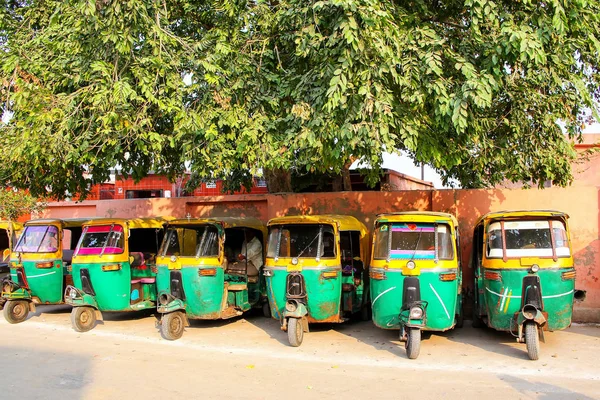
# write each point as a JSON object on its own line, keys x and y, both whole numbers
{"x": 524, "y": 274}
{"x": 415, "y": 275}
{"x": 209, "y": 268}
{"x": 315, "y": 271}
{"x": 40, "y": 264}
{"x": 9, "y": 233}
{"x": 114, "y": 268}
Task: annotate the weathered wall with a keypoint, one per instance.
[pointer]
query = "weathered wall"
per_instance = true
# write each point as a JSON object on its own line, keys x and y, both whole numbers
{"x": 581, "y": 203}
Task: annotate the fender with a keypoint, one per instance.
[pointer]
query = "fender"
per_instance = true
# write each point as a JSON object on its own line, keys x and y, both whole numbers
{"x": 300, "y": 311}
{"x": 78, "y": 298}
{"x": 173, "y": 305}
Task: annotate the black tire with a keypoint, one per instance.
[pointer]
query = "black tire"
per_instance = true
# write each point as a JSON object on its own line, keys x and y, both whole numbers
{"x": 365, "y": 312}
{"x": 266, "y": 310}
{"x": 295, "y": 332}
{"x": 83, "y": 319}
{"x": 460, "y": 320}
{"x": 2, "y": 302}
{"x": 532, "y": 340}
{"x": 413, "y": 343}
{"x": 16, "y": 311}
{"x": 172, "y": 325}
{"x": 477, "y": 321}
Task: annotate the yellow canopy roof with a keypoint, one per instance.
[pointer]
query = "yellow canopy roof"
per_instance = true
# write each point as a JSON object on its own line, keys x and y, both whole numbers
{"x": 345, "y": 222}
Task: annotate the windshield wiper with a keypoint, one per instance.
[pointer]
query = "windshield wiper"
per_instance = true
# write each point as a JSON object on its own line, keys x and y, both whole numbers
{"x": 42, "y": 241}
{"x": 311, "y": 242}
{"x": 107, "y": 239}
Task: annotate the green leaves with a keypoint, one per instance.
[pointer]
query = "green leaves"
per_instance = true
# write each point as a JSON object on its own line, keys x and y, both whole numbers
{"x": 228, "y": 90}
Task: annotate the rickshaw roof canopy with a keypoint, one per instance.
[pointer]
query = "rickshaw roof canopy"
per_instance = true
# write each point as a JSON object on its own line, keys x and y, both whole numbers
{"x": 516, "y": 214}
{"x": 17, "y": 226}
{"x": 132, "y": 223}
{"x": 64, "y": 222}
{"x": 417, "y": 216}
{"x": 227, "y": 222}
{"x": 345, "y": 222}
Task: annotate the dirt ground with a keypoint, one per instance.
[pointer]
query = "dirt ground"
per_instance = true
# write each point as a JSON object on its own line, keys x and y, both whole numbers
{"x": 249, "y": 358}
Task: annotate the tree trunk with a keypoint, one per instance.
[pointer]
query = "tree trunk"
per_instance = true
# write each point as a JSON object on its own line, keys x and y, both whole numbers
{"x": 279, "y": 180}
{"x": 347, "y": 183}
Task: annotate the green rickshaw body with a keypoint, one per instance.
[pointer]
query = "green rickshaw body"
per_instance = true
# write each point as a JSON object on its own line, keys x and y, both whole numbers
{"x": 41, "y": 259}
{"x": 442, "y": 297}
{"x": 324, "y": 295}
{"x": 515, "y": 251}
{"x": 199, "y": 274}
{"x": 415, "y": 264}
{"x": 502, "y": 299}
{"x": 322, "y": 255}
{"x": 114, "y": 264}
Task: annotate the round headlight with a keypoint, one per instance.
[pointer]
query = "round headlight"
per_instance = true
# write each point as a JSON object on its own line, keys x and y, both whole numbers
{"x": 295, "y": 261}
{"x": 163, "y": 299}
{"x": 416, "y": 313}
{"x": 535, "y": 268}
{"x": 290, "y": 306}
{"x": 173, "y": 258}
{"x": 411, "y": 264}
{"x": 72, "y": 294}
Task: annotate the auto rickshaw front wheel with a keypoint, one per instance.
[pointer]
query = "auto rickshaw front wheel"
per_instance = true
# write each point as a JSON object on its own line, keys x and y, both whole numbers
{"x": 16, "y": 311}
{"x": 266, "y": 309}
{"x": 83, "y": 319}
{"x": 413, "y": 343}
{"x": 172, "y": 325}
{"x": 295, "y": 332}
{"x": 532, "y": 340}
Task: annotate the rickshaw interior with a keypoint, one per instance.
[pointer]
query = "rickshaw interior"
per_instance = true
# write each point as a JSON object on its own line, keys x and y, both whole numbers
{"x": 4, "y": 244}
{"x": 413, "y": 241}
{"x": 301, "y": 241}
{"x": 235, "y": 245}
{"x": 527, "y": 238}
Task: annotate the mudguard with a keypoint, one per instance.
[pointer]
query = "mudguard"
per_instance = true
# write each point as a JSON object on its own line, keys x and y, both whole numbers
{"x": 300, "y": 312}
{"x": 175, "y": 305}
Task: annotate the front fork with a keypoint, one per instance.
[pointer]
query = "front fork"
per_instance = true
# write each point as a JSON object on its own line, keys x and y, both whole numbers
{"x": 532, "y": 306}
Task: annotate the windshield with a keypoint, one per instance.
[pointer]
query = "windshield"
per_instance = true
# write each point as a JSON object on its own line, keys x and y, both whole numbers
{"x": 38, "y": 239}
{"x": 528, "y": 239}
{"x": 302, "y": 241}
{"x": 410, "y": 241}
{"x": 197, "y": 241}
{"x": 101, "y": 239}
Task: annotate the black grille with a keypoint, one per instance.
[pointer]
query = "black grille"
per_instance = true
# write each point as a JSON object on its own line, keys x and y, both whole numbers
{"x": 411, "y": 292}
{"x": 86, "y": 282}
{"x": 532, "y": 292}
{"x": 177, "y": 285}
{"x": 21, "y": 278}
{"x": 295, "y": 287}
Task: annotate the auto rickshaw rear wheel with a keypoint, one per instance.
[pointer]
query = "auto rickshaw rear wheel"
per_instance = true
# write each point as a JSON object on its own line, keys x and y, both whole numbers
{"x": 413, "y": 343}
{"x": 172, "y": 325}
{"x": 16, "y": 311}
{"x": 266, "y": 310}
{"x": 295, "y": 332}
{"x": 83, "y": 319}
{"x": 532, "y": 340}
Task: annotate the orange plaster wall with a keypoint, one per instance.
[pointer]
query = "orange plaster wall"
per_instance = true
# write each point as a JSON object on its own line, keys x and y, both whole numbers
{"x": 582, "y": 203}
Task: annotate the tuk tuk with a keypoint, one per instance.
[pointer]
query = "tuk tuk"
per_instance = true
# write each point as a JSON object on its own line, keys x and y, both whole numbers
{"x": 40, "y": 266}
{"x": 415, "y": 275}
{"x": 114, "y": 268}
{"x": 524, "y": 274}
{"x": 315, "y": 271}
{"x": 209, "y": 268}
{"x": 9, "y": 233}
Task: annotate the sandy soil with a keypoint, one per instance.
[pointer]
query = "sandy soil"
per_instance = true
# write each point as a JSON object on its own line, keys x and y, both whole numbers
{"x": 249, "y": 358}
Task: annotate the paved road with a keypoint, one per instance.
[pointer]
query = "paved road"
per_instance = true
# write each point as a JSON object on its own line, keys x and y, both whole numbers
{"x": 249, "y": 358}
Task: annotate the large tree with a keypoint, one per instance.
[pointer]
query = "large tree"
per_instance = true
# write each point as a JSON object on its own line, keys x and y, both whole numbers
{"x": 477, "y": 89}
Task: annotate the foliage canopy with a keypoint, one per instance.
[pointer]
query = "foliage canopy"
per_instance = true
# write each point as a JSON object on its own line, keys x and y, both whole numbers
{"x": 474, "y": 88}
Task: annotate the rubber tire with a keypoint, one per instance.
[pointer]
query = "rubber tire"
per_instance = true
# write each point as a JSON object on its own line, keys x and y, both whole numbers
{"x": 413, "y": 343}
{"x": 460, "y": 320}
{"x": 365, "y": 313}
{"x": 295, "y": 332}
{"x": 2, "y": 302}
{"x": 532, "y": 340}
{"x": 266, "y": 310}
{"x": 83, "y": 319}
{"x": 16, "y": 311}
{"x": 172, "y": 325}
